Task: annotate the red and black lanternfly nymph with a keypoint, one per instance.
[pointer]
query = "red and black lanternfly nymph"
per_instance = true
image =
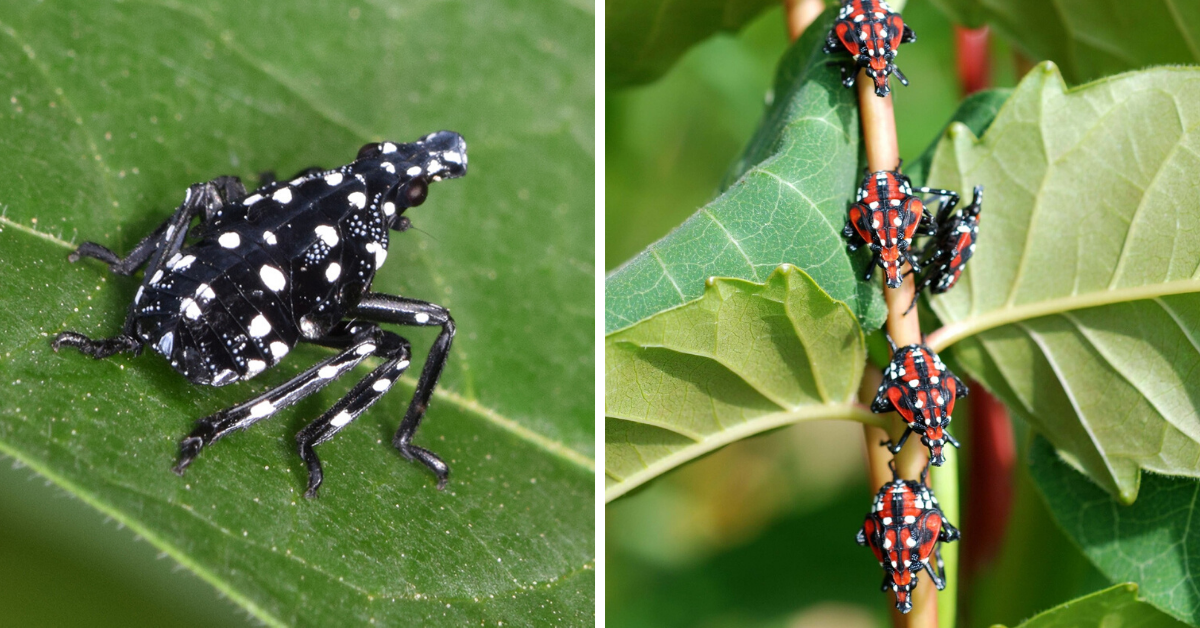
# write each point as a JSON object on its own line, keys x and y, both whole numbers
{"x": 917, "y": 385}
{"x": 872, "y": 33}
{"x": 904, "y": 529}
{"x": 952, "y": 246}
{"x": 886, "y": 216}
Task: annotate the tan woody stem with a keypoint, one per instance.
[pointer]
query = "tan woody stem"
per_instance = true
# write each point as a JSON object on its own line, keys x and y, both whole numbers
{"x": 904, "y": 326}
{"x": 801, "y": 14}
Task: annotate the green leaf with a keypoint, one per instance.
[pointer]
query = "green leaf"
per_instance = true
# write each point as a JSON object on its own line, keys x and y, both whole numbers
{"x": 1152, "y": 542}
{"x": 789, "y": 206}
{"x": 743, "y": 359}
{"x": 644, "y": 39}
{"x": 1079, "y": 308}
{"x": 111, "y": 110}
{"x": 976, "y": 112}
{"x": 1118, "y": 606}
{"x": 1090, "y": 40}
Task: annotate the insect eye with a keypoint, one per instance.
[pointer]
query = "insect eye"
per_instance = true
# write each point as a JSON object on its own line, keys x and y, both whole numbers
{"x": 416, "y": 192}
{"x": 402, "y": 224}
{"x": 369, "y": 150}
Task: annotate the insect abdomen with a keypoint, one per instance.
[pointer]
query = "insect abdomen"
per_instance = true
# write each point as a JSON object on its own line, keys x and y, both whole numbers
{"x": 219, "y": 313}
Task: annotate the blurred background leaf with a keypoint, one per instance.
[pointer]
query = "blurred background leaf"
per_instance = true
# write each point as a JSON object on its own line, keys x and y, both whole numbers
{"x": 1089, "y": 39}
{"x": 1085, "y": 321}
{"x": 114, "y": 108}
{"x": 1017, "y": 583}
{"x": 643, "y": 39}
{"x": 743, "y": 359}
{"x": 701, "y": 546}
{"x": 1150, "y": 542}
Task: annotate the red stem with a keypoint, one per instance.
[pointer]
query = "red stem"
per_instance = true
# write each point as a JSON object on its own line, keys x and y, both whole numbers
{"x": 974, "y": 62}
{"x": 990, "y": 478}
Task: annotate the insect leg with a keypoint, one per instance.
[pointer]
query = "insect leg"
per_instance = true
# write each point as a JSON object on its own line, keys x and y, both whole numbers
{"x": 939, "y": 579}
{"x": 358, "y": 342}
{"x": 849, "y": 74}
{"x": 226, "y": 187}
{"x": 386, "y": 308}
{"x": 97, "y": 348}
{"x": 914, "y": 264}
{"x": 397, "y": 352}
{"x": 895, "y": 449}
{"x": 948, "y": 533}
{"x": 157, "y": 247}
{"x": 949, "y": 201}
{"x": 851, "y": 234}
{"x": 875, "y": 261}
{"x": 116, "y": 264}
{"x": 832, "y": 43}
{"x": 921, "y": 285}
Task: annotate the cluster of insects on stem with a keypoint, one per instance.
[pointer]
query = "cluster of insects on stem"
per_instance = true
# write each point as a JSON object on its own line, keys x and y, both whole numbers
{"x": 906, "y": 526}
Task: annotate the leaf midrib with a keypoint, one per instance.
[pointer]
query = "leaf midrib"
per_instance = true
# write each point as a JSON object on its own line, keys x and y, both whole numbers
{"x": 970, "y": 326}
{"x": 467, "y": 406}
{"x": 724, "y": 437}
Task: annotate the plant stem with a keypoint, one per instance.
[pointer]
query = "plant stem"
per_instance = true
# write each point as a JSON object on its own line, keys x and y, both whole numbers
{"x": 903, "y": 325}
{"x": 974, "y": 62}
{"x": 946, "y": 477}
{"x": 800, "y": 14}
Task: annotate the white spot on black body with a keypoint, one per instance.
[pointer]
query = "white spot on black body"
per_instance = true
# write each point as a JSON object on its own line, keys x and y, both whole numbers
{"x": 166, "y": 343}
{"x": 272, "y": 278}
{"x": 254, "y": 367}
{"x": 328, "y": 234}
{"x": 260, "y": 326}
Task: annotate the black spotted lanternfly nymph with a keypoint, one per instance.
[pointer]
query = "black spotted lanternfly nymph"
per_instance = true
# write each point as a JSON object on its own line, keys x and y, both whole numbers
{"x": 293, "y": 262}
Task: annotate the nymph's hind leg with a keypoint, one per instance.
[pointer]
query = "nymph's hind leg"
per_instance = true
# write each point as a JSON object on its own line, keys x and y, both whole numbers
{"x": 158, "y": 248}
{"x": 396, "y": 351}
{"x": 386, "y": 308}
{"x": 939, "y": 577}
{"x": 223, "y": 188}
{"x": 895, "y": 449}
{"x": 357, "y": 341}
{"x": 948, "y": 203}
